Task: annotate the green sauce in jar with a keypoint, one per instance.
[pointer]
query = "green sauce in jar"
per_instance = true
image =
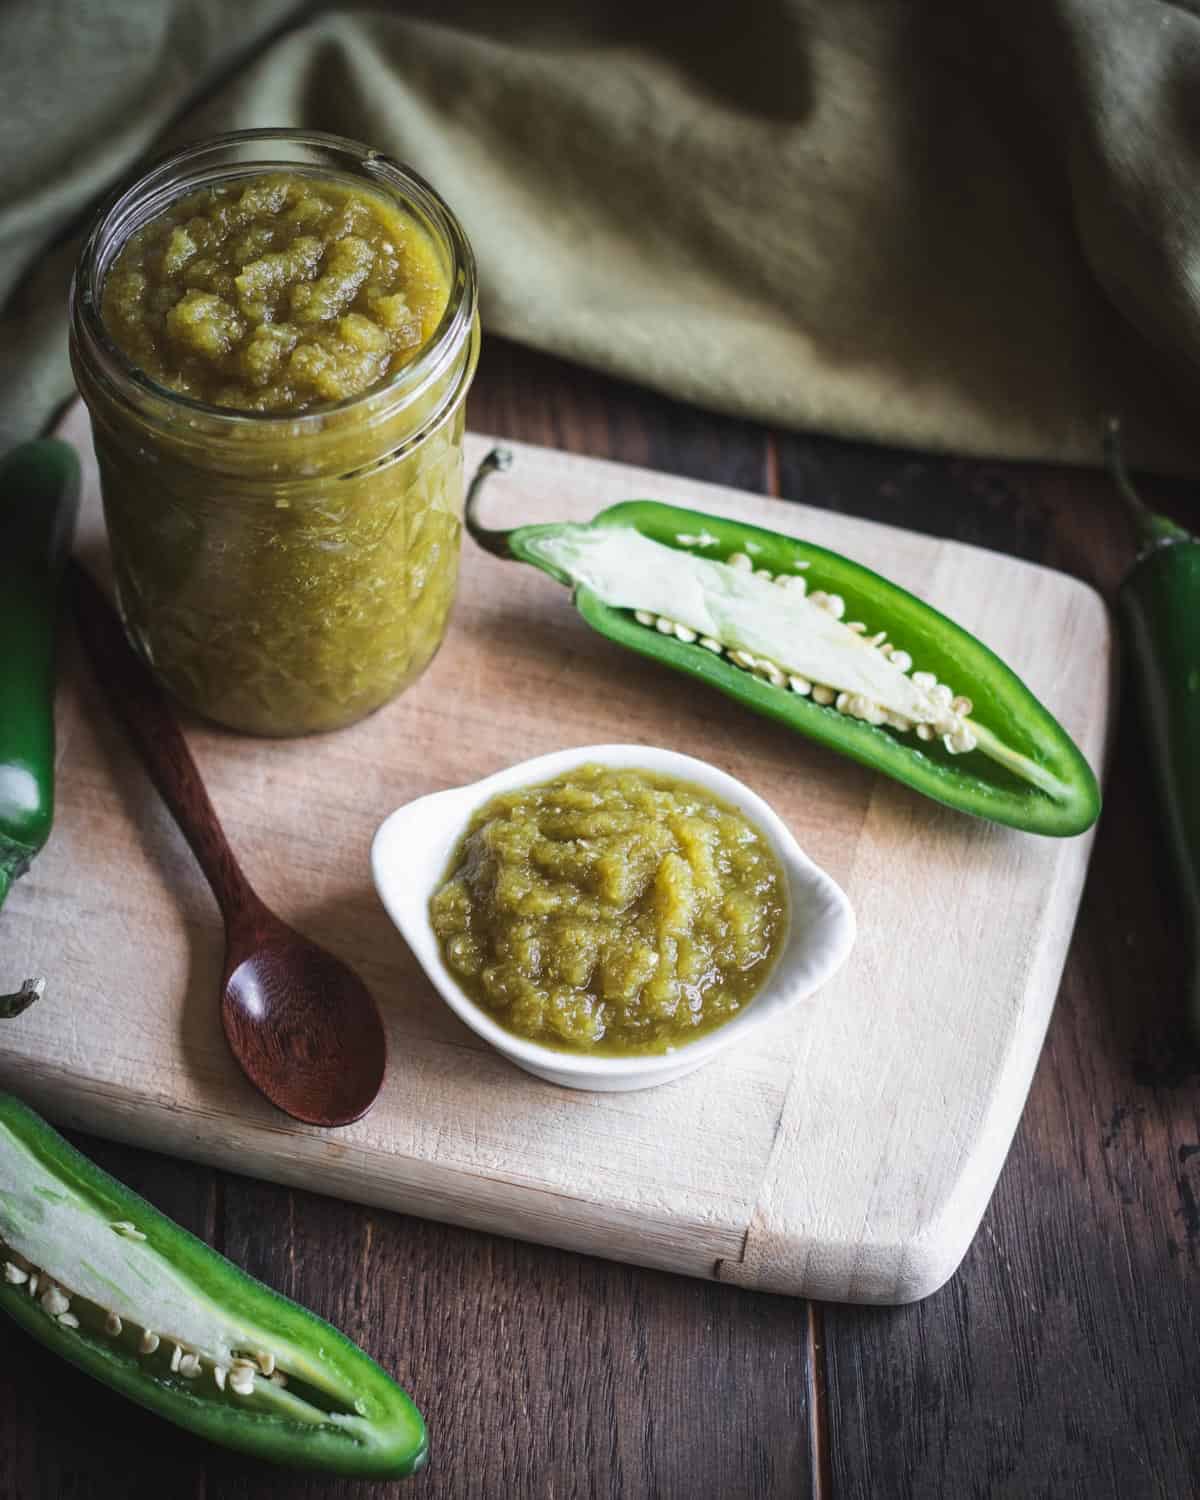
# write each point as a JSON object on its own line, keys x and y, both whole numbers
{"x": 275, "y": 361}
{"x": 275, "y": 293}
{"x": 612, "y": 912}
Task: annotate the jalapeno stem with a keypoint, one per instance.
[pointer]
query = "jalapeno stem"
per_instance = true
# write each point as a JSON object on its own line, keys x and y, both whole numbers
{"x": 13, "y": 1005}
{"x": 1153, "y": 530}
{"x": 495, "y": 542}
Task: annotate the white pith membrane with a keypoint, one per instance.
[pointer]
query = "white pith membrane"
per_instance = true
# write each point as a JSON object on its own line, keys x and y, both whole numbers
{"x": 776, "y": 628}
{"x": 102, "y": 1280}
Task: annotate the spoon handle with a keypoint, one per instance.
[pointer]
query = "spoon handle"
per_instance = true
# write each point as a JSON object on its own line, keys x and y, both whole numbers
{"x": 143, "y": 708}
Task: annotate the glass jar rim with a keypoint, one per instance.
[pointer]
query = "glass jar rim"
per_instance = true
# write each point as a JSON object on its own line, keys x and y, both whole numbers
{"x": 159, "y": 179}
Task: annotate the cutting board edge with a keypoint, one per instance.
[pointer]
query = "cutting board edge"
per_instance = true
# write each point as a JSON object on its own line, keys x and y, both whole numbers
{"x": 779, "y": 1256}
{"x": 74, "y": 1102}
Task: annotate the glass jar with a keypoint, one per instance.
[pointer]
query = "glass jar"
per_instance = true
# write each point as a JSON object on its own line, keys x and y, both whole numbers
{"x": 281, "y": 574}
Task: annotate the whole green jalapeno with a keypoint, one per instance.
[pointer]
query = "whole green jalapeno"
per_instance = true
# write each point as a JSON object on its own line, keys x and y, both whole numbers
{"x": 39, "y": 500}
{"x": 1159, "y": 608}
{"x": 99, "y": 1276}
{"x": 829, "y": 648}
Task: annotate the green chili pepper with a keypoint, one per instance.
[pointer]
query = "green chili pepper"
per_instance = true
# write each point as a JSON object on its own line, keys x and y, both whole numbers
{"x": 935, "y": 709}
{"x": 39, "y": 500}
{"x": 1159, "y": 606}
{"x": 102, "y": 1278}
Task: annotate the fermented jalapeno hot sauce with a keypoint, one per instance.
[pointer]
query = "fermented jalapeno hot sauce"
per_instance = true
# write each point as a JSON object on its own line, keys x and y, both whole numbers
{"x": 274, "y": 333}
{"x": 613, "y": 912}
{"x": 274, "y": 293}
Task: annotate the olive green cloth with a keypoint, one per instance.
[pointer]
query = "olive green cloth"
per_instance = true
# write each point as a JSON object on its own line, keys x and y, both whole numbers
{"x": 965, "y": 227}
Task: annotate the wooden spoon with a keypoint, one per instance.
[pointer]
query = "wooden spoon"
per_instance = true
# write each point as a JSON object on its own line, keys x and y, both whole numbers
{"x": 302, "y": 1025}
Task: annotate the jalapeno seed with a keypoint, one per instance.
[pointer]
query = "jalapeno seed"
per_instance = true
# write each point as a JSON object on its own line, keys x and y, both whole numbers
{"x": 952, "y": 709}
{"x": 53, "y": 1301}
{"x": 187, "y": 1363}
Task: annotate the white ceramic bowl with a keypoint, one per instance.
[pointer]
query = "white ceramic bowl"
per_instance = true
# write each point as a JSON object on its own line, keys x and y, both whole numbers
{"x": 412, "y": 849}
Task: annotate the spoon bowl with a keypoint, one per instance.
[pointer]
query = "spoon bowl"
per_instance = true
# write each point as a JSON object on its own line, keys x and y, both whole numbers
{"x": 303, "y": 1026}
{"x": 301, "y": 1023}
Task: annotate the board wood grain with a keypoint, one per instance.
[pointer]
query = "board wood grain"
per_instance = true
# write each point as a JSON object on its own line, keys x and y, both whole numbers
{"x": 847, "y": 1156}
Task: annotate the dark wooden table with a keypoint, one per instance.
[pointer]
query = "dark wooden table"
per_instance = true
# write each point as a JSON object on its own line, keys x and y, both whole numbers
{"x": 1062, "y": 1360}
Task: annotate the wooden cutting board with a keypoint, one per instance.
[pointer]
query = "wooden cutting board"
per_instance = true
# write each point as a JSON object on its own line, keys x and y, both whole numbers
{"x": 847, "y": 1153}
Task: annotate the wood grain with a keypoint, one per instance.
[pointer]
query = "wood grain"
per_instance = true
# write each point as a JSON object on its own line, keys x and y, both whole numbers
{"x": 1061, "y": 1361}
